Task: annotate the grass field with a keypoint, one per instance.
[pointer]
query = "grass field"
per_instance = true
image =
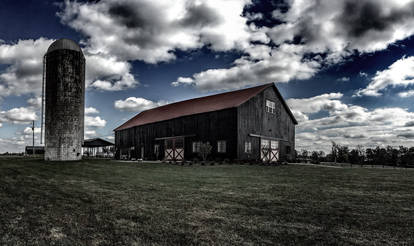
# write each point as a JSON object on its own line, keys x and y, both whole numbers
{"x": 116, "y": 203}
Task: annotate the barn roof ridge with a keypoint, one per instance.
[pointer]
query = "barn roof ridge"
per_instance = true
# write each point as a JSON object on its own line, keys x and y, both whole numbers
{"x": 198, "y": 105}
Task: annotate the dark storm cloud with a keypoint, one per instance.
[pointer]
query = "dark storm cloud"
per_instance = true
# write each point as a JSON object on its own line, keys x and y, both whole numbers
{"x": 26, "y": 70}
{"x": 200, "y": 16}
{"x": 133, "y": 17}
{"x": 359, "y": 136}
{"x": 351, "y": 115}
{"x": 142, "y": 16}
{"x": 359, "y": 17}
{"x": 406, "y": 135}
{"x": 409, "y": 124}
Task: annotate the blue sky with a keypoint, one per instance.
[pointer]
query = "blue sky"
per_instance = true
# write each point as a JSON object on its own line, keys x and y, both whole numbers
{"x": 345, "y": 67}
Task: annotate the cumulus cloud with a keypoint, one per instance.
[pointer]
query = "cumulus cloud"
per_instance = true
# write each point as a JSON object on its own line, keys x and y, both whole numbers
{"x": 400, "y": 73}
{"x": 94, "y": 122}
{"x": 349, "y": 125}
{"x": 137, "y": 104}
{"x": 19, "y": 115}
{"x": 340, "y": 27}
{"x": 91, "y": 110}
{"x": 29, "y": 131}
{"x": 315, "y": 104}
{"x": 35, "y": 102}
{"x": 328, "y": 31}
{"x": 281, "y": 65}
{"x": 90, "y": 133}
{"x": 128, "y": 30}
{"x": 106, "y": 72}
{"x": 408, "y": 93}
{"x": 24, "y": 60}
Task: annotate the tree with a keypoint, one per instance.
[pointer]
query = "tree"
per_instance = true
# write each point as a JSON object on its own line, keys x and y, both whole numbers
{"x": 304, "y": 154}
{"x": 343, "y": 153}
{"x": 315, "y": 157}
{"x": 354, "y": 156}
{"x": 334, "y": 152}
{"x": 205, "y": 150}
{"x": 370, "y": 155}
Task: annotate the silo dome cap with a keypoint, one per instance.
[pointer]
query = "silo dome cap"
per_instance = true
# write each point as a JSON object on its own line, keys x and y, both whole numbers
{"x": 64, "y": 44}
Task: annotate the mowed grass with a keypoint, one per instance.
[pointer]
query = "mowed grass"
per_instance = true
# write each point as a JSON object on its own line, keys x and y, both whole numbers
{"x": 117, "y": 203}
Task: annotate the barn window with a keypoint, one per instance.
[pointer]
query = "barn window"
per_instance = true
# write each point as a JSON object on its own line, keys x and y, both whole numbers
{"x": 270, "y": 106}
{"x": 221, "y": 146}
{"x": 248, "y": 147}
{"x": 196, "y": 147}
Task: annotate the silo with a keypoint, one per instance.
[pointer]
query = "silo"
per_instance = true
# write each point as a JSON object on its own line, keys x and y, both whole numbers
{"x": 64, "y": 100}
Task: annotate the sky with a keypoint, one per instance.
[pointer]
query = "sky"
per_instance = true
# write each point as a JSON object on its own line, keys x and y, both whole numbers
{"x": 345, "y": 67}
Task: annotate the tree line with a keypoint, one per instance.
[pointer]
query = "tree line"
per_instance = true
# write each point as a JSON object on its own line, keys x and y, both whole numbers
{"x": 386, "y": 156}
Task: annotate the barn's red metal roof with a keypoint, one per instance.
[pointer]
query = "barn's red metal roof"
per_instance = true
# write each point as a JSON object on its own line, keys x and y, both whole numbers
{"x": 195, "y": 106}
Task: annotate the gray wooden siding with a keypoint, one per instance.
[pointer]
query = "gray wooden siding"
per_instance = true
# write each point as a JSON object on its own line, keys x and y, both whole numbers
{"x": 253, "y": 119}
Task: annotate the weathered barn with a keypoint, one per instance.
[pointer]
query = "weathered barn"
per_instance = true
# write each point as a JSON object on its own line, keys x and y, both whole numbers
{"x": 253, "y": 123}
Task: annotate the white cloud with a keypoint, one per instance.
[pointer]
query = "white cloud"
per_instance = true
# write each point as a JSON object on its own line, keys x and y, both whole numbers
{"x": 400, "y": 73}
{"x": 136, "y": 104}
{"x": 128, "y": 30}
{"x": 336, "y": 29}
{"x": 340, "y": 27}
{"x": 315, "y": 104}
{"x": 94, "y": 122}
{"x": 282, "y": 65}
{"x": 35, "y": 102}
{"x": 91, "y": 110}
{"x": 107, "y": 73}
{"x": 90, "y": 133}
{"x": 24, "y": 72}
{"x": 29, "y": 131}
{"x": 408, "y": 93}
{"x": 343, "y": 79}
{"x": 350, "y": 125}
{"x": 19, "y": 115}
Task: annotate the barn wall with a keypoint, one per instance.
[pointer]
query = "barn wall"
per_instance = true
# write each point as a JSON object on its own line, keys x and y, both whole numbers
{"x": 211, "y": 127}
{"x": 253, "y": 119}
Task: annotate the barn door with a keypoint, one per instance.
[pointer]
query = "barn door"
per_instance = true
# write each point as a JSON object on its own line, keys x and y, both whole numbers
{"x": 169, "y": 151}
{"x": 269, "y": 150}
{"x": 179, "y": 149}
{"x": 274, "y": 151}
{"x": 174, "y": 149}
{"x": 264, "y": 150}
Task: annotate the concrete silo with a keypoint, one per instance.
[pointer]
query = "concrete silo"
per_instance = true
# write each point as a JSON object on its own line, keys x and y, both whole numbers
{"x": 64, "y": 74}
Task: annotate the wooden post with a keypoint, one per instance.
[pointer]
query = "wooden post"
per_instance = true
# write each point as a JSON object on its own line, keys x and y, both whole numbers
{"x": 33, "y": 129}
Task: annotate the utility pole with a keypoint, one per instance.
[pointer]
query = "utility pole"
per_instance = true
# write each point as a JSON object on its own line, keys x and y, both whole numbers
{"x": 33, "y": 129}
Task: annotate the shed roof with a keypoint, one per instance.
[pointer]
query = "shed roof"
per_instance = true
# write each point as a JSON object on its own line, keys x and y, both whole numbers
{"x": 96, "y": 142}
{"x": 199, "y": 105}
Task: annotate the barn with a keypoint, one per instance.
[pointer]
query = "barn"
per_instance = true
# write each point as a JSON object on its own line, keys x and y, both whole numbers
{"x": 248, "y": 124}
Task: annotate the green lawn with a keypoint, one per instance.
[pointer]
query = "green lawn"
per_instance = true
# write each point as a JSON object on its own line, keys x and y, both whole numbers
{"x": 119, "y": 203}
